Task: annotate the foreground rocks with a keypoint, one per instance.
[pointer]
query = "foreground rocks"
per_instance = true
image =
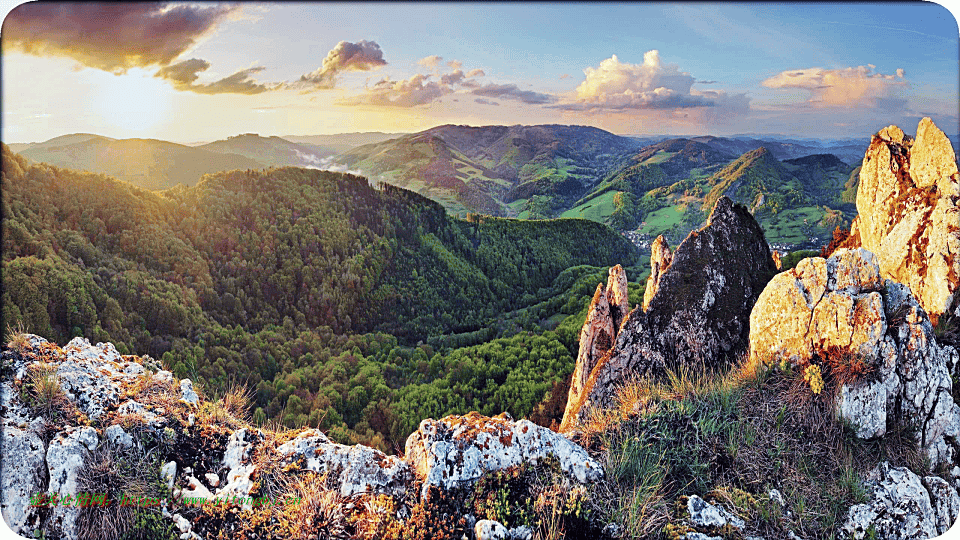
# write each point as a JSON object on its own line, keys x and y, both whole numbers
{"x": 698, "y": 316}
{"x": 908, "y": 202}
{"x": 460, "y": 449}
{"x": 903, "y": 506}
{"x": 174, "y": 438}
{"x": 839, "y": 314}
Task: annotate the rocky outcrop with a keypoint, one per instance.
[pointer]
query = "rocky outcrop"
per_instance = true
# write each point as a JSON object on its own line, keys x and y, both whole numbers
{"x": 608, "y": 309}
{"x": 903, "y": 506}
{"x": 699, "y": 314}
{"x": 840, "y": 314}
{"x": 909, "y": 216}
{"x": 458, "y": 450}
{"x": 191, "y": 447}
{"x": 660, "y": 259}
{"x": 357, "y": 468}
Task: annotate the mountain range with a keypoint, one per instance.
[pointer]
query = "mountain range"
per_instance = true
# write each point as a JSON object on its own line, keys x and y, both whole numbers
{"x": 649, "y": 184}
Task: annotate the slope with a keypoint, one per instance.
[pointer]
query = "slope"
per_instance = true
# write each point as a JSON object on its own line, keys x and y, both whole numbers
{"x": 148, "y": 163}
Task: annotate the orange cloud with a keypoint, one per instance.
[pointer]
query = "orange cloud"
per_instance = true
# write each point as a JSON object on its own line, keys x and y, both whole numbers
{"x": 847, "y": 87}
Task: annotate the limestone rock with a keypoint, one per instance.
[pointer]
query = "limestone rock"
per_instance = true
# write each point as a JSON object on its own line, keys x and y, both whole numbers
{"x": 236, "y": 461}
{"x": 458, "y": 450}
{"x": 900, "y": 507}
{"x": 67, "y": 454}
{"x": 488, "y": 529}
{"x": 617, "y": 296}
{"x": 92, "y": 375}
{"x": 909, "y": 216}
{"x": 118, "y": 437}
{"x": 21, "y": 476}
{"x": 609, "y": 307}
{"x": 699, "y": 315}
{"x": 186, "y": 390}
{"x": 706, "y": 515}
{"x": 168, "y": 473}
{"x": 944, "y": 500}
{"x": 358, "y": 468}
{"x": 839, "y": 307}
{"x": 660, "y": 259}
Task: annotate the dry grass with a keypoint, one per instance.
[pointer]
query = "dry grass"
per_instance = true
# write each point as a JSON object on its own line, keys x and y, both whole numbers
{"x": 16, "y": 337}
{"x": 117, "y": 472}
{"x": 42, "y": 393}
{"x": 733, "y": 437}
{"x": 318, "y": 514}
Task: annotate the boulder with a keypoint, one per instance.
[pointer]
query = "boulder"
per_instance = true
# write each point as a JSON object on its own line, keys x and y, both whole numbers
{"x": 608, "y": 309}
{"x": 458, "y": 450}
{"x": 836, "y": 308}
{"x": 901, "y": 507}
{"x": 698, "y": 316}
{"x": 907, "y": 202}
{"x": 358, "y": 468}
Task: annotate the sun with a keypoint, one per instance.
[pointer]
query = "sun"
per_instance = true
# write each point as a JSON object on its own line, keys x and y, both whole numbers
{"x": 134, "y": 102}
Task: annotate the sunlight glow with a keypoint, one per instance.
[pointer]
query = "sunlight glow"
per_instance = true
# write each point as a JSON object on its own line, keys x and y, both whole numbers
{"x": 135, "y": 101}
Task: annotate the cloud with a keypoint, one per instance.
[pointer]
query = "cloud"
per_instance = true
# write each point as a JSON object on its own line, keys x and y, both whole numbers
{"x": 416, "y": 90}
{"x": 361, "y": 56}
{"x": 183, "y": 76}
{"x": 475, "y": 73}
{"x": 848, "y": 87}
{"x": 430, "y": 62}
{"x": 455, "y": 64}
{"x": 111, "y": 36}
{"x": 511, "y": 91}
{"x": 485, "y": 102}
{"x": 616, "y": 85}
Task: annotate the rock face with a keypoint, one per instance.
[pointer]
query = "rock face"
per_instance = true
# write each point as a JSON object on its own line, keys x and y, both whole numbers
{"x": 660, "y": 259}
{"x": 909, "y": 216}
{"x": 609, "y": 307}
{"x": 699, "y": 315}
{"x": 457, "y": 450}
{"x": 903, "y": 506}
{"x": 826, "y": 310}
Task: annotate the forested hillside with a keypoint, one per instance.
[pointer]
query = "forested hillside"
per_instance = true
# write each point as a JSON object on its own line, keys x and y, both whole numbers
{"x": 337, "y": 303}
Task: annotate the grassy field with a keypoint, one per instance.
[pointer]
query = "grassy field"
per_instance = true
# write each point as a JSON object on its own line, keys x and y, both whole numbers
{"x": 599, "y": 208}
{"x": 662, "y": 220}
{"x": 787, "y": 226}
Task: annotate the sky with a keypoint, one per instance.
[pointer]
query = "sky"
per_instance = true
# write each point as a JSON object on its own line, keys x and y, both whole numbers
{"x": 192, "y": 72}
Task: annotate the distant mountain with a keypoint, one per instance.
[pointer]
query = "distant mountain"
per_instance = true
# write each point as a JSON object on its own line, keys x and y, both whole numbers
{"x": 341, "y": 142}
{"x": 530, "y": 171}
{"x": 670, "y": 187}
{"x": 270, "y": 150}
{"x": 786, "y": 149}
{"x": 147, "y": 163}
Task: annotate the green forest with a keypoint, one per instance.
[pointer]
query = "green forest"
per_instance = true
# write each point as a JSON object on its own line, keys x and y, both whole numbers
{"x": 359, "y": 309}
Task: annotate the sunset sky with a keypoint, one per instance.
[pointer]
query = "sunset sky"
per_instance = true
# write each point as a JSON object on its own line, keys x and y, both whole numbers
{"x": 201, "y": 72}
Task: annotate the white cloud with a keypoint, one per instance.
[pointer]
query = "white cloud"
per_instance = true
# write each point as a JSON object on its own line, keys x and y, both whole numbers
{"x": 616, "y": 85}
